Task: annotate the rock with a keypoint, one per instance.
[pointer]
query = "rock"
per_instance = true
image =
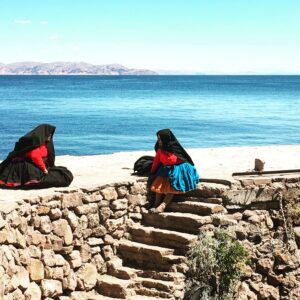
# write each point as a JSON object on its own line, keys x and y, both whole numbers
{"x": 56, "y": 242}
{"x": 88, "y": 275}
{"x": 54, "y": 273}
{"x": 72, "y": 219}
{"x": 122, "y": 191}
{"x": 75, "y": 259}
{"x": 222, "y": 220}
{"x": 268, "y": 292}
{"x": 62, "y": 229}
{"x": 297, "y": 235}
{"x": 7, "y": 235}
{"x": 70, "y": 282}
{"x": 265, "y": 266}
{"x": 35, "y": 252}
{"x": 71, "y": 200}
{"x": 108, "y": 252}
{"x": 36, "y": 238}
{"x": 99, "y": 263}
{"x": 92, "y": 198}
{"x": 240, "y": 197}
{"x": 119, "y": 214}
{"x": 33, "y": 292}
{"x": 99, "y": 231}
{"x": 42, "y": 210}
{"x": 45, "y": 225}
{"x": 118, "y": 234}
{"x": 2, "y": 223}
{"x": 119, "y": 204}
{"x": 134, "y": 200}
{"x": 93, "y": 220}
{"x": 95, "y": 241}
{"x": 274, "y": 279}
{"x": 135, "y": 216}
{"x": 244, "y": 293}
{"x": 103, "y": 203}
{"x": 112, "y": 225}
{"x": 254, "y": 219}
{"x": 53, "y": 203}
{"x": 109, "y": 193}
{"x": 51, "y": 259}
{"x": 86, "y": 209}
{"x": 138, "y": 188}
{"x": 83, "y": 221}
{"x": 55, "y": 213}
{"x": 105, "y": 213}
{"x": 22, "y": 277}
{"x": 17, "y": 295}
{"x": 20, "y": 240}
{"x": 51, "y": 288}
{"x": 108, "y": 239}
{"x": 36, "y": 270}
{"x": 85, "y": 253}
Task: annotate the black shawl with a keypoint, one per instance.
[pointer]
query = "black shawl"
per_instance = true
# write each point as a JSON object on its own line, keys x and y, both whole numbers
{"x": 171, "y": 144}
{"x": 34, "y": 139}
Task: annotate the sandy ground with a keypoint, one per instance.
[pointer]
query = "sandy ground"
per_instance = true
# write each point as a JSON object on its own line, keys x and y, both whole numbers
{"x": 220, "y": 163}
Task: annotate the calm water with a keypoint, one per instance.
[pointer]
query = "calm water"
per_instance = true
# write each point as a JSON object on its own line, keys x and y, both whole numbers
{"x": 98, "y": 114}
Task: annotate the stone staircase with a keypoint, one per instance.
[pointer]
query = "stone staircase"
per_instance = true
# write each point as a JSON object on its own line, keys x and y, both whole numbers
{"x": 151, "y": 264}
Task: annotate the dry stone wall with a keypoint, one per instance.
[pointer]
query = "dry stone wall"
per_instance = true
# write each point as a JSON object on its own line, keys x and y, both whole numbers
{"x": 54, "y": 246}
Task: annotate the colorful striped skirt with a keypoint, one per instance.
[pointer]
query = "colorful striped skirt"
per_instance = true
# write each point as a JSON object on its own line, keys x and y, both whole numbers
{"x": 176, "y": 179}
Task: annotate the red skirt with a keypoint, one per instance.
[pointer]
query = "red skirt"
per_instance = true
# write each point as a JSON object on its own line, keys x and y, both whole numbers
{"x": 161, "y": 185}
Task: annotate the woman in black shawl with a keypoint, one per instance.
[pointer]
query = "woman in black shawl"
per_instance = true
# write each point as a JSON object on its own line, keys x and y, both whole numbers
{"x": 174, "y": 169}
{"x": 32, "y": 162}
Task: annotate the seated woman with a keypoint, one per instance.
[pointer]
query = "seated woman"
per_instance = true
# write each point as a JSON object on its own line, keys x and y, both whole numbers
{"x": 174, "y": 169}
{"x": 31, "y": 164}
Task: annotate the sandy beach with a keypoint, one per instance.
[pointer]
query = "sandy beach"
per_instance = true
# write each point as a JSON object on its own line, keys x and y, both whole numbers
{"x": 212, "y": 163}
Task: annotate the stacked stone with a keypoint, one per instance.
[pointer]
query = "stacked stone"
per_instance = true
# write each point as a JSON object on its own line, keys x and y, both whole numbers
{"x": 274, "y": 272}
{"x": 56, "y": 247}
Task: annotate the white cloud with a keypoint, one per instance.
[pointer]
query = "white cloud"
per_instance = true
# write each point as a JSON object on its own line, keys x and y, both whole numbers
{"x": 53, "y": 37}
{"x": 44, "y": 22}
{"x": 23, "y": 22}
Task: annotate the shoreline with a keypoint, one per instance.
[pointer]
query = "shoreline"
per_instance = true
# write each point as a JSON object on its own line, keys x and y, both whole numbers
{"x": 214, "y": 163}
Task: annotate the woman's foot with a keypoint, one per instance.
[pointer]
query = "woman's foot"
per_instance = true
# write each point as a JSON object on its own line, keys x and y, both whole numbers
{"x": 161, "y": 208}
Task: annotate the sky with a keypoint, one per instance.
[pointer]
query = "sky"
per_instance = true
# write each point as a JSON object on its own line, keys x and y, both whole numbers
{"x": 180, "y": 36}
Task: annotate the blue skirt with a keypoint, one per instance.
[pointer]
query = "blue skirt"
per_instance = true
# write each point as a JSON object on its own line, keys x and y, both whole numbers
{"x": 183, "y": 177}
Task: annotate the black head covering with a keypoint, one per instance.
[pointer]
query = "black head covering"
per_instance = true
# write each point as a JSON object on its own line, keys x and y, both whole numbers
{"x": 171, "y": 144}
{"x": 34, "y": 139}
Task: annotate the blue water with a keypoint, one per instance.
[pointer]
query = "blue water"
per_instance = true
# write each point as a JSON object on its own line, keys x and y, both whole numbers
{"x": 106, "y": 114}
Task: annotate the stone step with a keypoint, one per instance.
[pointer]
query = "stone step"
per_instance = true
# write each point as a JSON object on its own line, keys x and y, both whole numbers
{"x": 162, "y": 237}
{"x": 212, "y": 200}
{"x": 116, "y": 268}
{"x": 160, "y": 285}
{"x": 198, "y": 208}
{"x": 114, "y": 287}
{"x": 80, "y": 295}
{"x": 140, "y": 297}
{"x": 208, "y": 190}
{"x": 153, "y": 293}
{"x": 183, "y": 222}
{"x": 150, "y": 257}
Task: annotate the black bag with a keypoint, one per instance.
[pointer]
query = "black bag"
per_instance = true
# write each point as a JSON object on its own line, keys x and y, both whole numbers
{"x": 143, "y": 165}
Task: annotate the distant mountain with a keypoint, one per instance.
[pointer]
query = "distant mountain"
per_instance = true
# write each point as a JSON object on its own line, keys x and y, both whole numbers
{"x": 69, "y": 68}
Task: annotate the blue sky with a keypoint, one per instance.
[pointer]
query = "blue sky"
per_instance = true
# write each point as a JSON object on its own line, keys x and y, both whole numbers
{"x": 211, "y": 36}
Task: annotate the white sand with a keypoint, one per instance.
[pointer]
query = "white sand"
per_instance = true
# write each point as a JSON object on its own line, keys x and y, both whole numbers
{"x": 92, "y": 171}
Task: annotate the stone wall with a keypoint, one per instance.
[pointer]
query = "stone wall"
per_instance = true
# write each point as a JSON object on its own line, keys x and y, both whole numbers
{"x": 259, "y": 216}
{"x": 53, "y": 246}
